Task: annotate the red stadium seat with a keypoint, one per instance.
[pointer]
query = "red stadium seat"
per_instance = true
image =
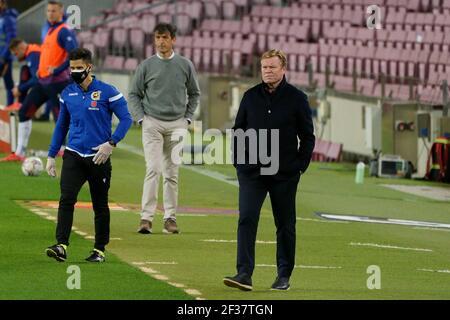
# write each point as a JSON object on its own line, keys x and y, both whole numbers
{"x": 137, "y": 42}
{"x": 131, "y": 64}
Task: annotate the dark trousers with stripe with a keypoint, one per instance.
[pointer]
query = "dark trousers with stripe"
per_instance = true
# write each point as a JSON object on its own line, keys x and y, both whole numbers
{"x": 75, "y": 172}
{"x": 252, "y": 193}
{"x": 37, "y": 96}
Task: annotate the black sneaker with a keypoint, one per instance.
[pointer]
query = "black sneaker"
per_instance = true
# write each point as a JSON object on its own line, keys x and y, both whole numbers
{"x": 241, "y": 281}
{"x": 58, "y": 252}
{"x": 281, "y": 284}
{"x": 96, "y": 256}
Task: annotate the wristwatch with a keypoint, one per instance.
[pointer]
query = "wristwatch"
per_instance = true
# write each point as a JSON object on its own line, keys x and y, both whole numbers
{"x": 111, "y": 142}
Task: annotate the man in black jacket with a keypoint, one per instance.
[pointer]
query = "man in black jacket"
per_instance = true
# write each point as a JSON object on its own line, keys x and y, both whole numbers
{"x": 272, "y": 118}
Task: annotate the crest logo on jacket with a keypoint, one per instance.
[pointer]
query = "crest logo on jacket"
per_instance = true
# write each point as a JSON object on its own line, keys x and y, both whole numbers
{"x": 95, "y": 96}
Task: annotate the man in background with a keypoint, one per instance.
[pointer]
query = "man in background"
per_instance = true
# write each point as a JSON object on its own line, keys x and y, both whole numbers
{"x": 45, "y": 116}
{"x": 164, "y": 95}
{"x": 8, "y": 31}
{"x": 30, "y": 53}
{"x": 53, "y": 75}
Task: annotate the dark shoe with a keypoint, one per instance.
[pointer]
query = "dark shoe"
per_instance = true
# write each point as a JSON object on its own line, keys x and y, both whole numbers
{"x": 58, "y": 252}
{"x": 281, "y": 283}
{"x": 241, "y": 281}
{"x": 96, "y": 256}
{"x": 145, "y": 227}
{"x": 170, "y": 226}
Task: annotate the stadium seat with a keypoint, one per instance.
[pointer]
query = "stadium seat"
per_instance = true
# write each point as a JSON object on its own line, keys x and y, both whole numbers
{"x": 334, "y": 152}
{"x": 131, "y": 64}
{"x": 212, "y": 9}
{"x": 184, "y": 23}
{"x": 148, "y": 23}
{"x": 229, "y": 9}
{"x": 114, "y": 63}
{"x": 120, "y": 41}
{"x": 137, "y": 42}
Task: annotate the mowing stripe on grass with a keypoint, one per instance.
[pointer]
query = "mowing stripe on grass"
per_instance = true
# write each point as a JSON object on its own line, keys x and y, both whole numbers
{"x": 93, "y": 238}
{"x": 431, "y": 229}
{"x": 434, "y": 193}
{"x": 386, "y": 246}
{"x": 300, "y": 266}
{"x": 154, "y": 262}
{"x": 234, "y": 241}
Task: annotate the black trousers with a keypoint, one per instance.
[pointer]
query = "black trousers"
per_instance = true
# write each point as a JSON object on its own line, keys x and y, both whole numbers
{"x": 76, "y": 171}
{"x": 252, "y": 193}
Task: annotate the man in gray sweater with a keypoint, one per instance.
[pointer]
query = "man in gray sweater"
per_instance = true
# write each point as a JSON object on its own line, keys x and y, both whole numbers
{"x": 163, "y": 97}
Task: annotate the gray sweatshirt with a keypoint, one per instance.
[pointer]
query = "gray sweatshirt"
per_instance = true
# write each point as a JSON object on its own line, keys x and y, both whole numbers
{"x": 166, "y": 89}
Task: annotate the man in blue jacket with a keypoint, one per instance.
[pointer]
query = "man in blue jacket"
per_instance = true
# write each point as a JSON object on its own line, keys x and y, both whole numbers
{"x": 8, "y": 31}
{"x": 87, "y": 107}
{"x": 273, "y": 107}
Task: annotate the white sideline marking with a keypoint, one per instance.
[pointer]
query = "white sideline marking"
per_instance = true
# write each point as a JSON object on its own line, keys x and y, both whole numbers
{"x": 148, "y": 270}
{"x": 81, "y": 233}
{"x": 191, "y": 215}
{"x": 51, "y": 218}
{"x": 384, "y": 221}
{"x": 74, "y": 229}
{"x": 300, "y": 266}
{"x": 193, "y": 292}
{"x": 39, "y": 212}
{"x": 160, "y": 277}
{"x": 177, "y": 285}
{"x": 154, "y": 262}
{"x": 198, "y": 298}
{"x": 438, "y": 271}
{"x": 387, "y": 246}
{"x": 323, "y": 221}
{"x": 234, "y": 241}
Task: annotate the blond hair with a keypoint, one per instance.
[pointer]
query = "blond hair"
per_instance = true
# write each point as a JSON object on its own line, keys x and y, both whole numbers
{"x": 276, "y": 53}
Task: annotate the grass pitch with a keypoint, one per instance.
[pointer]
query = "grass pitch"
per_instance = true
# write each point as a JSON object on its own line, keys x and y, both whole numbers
{"x": 329, "y": 264}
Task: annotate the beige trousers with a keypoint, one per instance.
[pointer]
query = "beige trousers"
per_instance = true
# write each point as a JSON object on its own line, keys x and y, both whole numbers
{"x": 163, "y": 142}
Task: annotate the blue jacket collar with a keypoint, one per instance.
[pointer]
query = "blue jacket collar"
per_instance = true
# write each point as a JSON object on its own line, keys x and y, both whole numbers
{"x": 91, "y": 87}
